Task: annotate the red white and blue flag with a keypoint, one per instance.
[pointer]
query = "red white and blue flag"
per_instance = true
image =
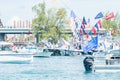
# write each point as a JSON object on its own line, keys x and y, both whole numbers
{"x": 110, "y": 16}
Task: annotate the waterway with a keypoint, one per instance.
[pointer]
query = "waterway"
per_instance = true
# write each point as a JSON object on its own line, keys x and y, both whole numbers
{"x": 52, "y": 68}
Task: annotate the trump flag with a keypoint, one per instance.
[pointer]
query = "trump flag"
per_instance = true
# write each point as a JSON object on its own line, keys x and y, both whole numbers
{"x": 91, "y": 44}
{"x": 109, "y": 16}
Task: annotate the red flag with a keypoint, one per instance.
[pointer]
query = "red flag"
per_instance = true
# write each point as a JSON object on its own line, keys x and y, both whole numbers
{"x": 94, "y": 30}
{"x": 72, "y": 26}
{"x": 100, "y": 23}
{"x": 113, "y": 31}
{"x": 83, "y": 25}
{"x": 109, "y": 16}
{"x": 81, "y": 32}
{"x": 87, "y": 36}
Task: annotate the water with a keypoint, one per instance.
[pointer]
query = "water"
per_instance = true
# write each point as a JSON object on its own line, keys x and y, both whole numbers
{"x": 52, "y": 68}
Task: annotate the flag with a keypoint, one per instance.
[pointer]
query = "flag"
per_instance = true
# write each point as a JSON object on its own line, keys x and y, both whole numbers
{"x": 84, "y": 21}
{"x": 96, "y": 25}
{"x": 94, "y": 30}
{"x": 90, "y": 33}
{"x": 79, "y": 35}
{"x": 109, "y": 16}
{"x": 76, "y": 24}
{"x": 72, "y": 22}
{"x": 91, "y": 44}
{"x": 87, "y": 36}
{"x": 100, "y": 23}
{"x": 99, "y": 15}
{"x": 113, "y": 31}
{"x": 83, "y": 25}
{"x": 88, "y": 23}
{"x": 83, "y": 30}
{"x": 72, "y": 26}
{"x": 73, "y": 14}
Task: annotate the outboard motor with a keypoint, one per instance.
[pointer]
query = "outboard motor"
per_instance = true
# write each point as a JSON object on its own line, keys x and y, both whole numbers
{"x": 88, "y": 63}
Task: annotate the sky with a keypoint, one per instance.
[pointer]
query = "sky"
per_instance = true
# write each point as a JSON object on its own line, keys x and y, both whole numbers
{"x": 22, "y": 9}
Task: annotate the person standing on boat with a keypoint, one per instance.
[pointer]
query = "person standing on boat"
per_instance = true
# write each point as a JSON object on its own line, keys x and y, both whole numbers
{"x": 108, "y": 59}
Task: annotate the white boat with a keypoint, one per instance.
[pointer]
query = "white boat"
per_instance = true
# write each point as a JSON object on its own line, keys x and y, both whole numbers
{"x": 29, "y": 48}
{"x": 107, "y": 68}
{"x": 43, "y": 53}
{"x": 111, "y": 62}
{"x": 7, "y": 55}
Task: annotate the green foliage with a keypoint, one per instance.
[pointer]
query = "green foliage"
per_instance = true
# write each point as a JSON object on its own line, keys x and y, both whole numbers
{"x": 48, "y": 22}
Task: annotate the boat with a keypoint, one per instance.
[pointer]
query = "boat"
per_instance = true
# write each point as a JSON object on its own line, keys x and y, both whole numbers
{"x": 30, "y": 48}
{"x": 43, "y": 53}
{"x": 9, "y": 55}
{"x": 111, "y": 63}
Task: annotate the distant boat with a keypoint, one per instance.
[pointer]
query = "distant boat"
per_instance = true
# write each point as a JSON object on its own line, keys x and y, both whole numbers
{"x": 63, "y": 51}
{"x": 7, "y": 55}
{"x": 30, "y": 48}
{"x": 43, "y": 53}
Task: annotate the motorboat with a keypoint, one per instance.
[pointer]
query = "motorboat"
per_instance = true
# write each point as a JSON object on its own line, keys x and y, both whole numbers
{"x": 111, "y": 62}
{"x": 30, "y": 48}
{"x": 9, "y": 55}
{"x": 43, "y": 53}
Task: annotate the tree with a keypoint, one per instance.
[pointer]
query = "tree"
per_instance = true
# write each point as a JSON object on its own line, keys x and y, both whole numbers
{"x": 49, "y": 23}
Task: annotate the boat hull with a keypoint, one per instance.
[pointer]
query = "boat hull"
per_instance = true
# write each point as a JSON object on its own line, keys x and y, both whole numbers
{"x": 15, "y": 60}
{"x": 107, "y": 68}
{"x": 43, "y": 54}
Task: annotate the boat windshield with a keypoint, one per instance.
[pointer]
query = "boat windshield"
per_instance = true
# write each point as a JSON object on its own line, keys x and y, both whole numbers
{"x": 5, "y": 48}
{"x": 115, "y": 52}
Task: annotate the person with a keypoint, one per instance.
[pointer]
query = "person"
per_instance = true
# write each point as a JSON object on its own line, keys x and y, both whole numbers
{"x": 108, "y": 59}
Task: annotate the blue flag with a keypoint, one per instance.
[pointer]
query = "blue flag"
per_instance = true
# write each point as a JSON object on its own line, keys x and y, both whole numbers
{"x": 96, "y": 25}
{"x": 91, "y": 44}
{"x": 84, "y": 21}
{"x": 99, "y": 15}
{"x": 73, "y": 14}
{"x": 79, "y": 35}
{"x": 83, "y": 30}
{"x": 90, "y": 32}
